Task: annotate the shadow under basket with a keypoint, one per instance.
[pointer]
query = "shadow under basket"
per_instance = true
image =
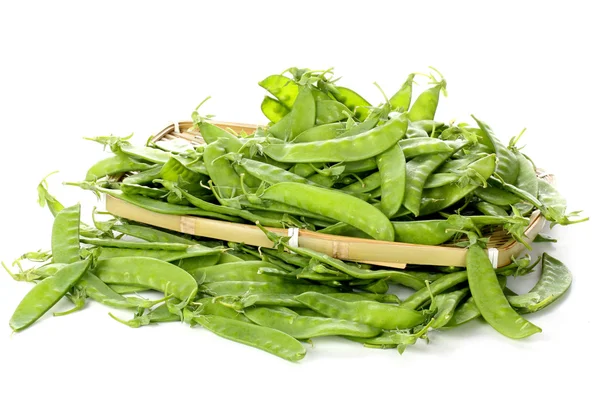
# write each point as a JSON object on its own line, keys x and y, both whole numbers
{"x": 377, "y": 252}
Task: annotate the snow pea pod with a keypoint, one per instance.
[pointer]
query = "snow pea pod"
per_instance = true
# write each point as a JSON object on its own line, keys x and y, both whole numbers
{"x": 496, "y": 196}
{"x": 441, "y": 179}
{"x": 352, "y": 148}
{"x": 330, "y": 111}
{"x": 65, "y": 235}
{"x": 507, "y": 166}
{"x": 333, "y": 204}
{"x": 401, "y": 99}
{"x": 267, "y": 172}
{"x": 239, "y": 288}
{"x": 302, "y": 327}
{"x": 157, "y": 315}
{"x": 321, "y": 132}
{"x": 368, "y": 164}
{"x": 151, "y": 234}
{"x": 238, "y": 271}
{"x": 438, "y": 286}
{"x": 220, "y": 170}
{"x": 302, "y": 114}
{"x": 144, "y": 177}
{"x": 46, "y": 294}
{"x": 464, "y": 313}
{"x": 267, "y": 339}
{"x": 446, "y": 303}
{"x": 282, "y": 87}
{"x": 365, "y": 185}
{"x": 420, "y": 146}
{"x": 154, "y": 193}
{"x": 436, "y": 199}
{"x": 145, "y": 153}
{"x": 527, "y": 178}
{"x": 392, "y": 167}
{"x": 273, "y": 109}
{"x": 490, "y": 209}
{"x": 147, "y": 272}
{"x": 192, "y": 263}
{"x": 426, "y": 103}
{"x": 429, "y": 232}
{"x": 553, "y": 283}
{"x": 124, "y": 244}
{"x": 379, "y": 315}
{"x": 211, "y": 306}
{"x": 490, "y": 299}
{"x": 352, "y": 100}
{"x": 114, "y": 165}
{"x": 164, "y": 255}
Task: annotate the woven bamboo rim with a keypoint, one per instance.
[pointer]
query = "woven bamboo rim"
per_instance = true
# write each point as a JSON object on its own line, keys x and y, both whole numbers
{"x": 389, "y": 254}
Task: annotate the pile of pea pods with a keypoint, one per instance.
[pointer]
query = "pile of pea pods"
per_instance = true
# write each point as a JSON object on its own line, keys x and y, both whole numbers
{"x": 331, "y": 162}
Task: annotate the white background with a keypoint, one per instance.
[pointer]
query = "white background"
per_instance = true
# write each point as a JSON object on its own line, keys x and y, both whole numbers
{"x": 69, "y": 70}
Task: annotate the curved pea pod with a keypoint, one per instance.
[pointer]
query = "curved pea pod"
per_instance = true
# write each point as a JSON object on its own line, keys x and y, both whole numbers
{"x": 114, "y": 165}
{"x": 149, "y": 273}
{"x": 144, "y": 177}
{"x": 303, "y": 327}
{"x": 211, "y": 306}
{"x": 238, "y": 271}
{"x": 175, "y": 171}
{"x": 417, "y": 171}
{"x": 267, "y": 339}
{"x": 496, "y": 196}
{"x": 368, "y": 164}
{"x": 125, "y": 244}
{"x": 329, "y": 111}
{"x": 490, "y": 299}
{"x": 436, "y": 199}
{"x": 333, "y": 204}
{"x": 445, "y": 304}
{"x": 270, "y": 173}
{"x": 379, "y": 315}
{"x": 153, "y": 193}
{"x": 441, "y": 179}
{"x": 401, "y": 99}
{"x": 490, "y": 209}
{"x": 221, "y": 171}
{"x": 240, "y": 288}
{"x": 46, "y": 294}
{"x": 465, "y": 312}
{"x": 282, "y": 87}
{"x": 151, "y": 234}
{"x": 527, "y": 179}
{"x": 352, "y": 148}
{"x": 302, "y": 115}
{"x": 426, "y": 103}
{"x": 163, "y": 255}
{"x": 273, "y": 109}
{"x": 65, "y": 235}
{"x": 392, "y": 167}
{"x": 428, "y": 232}
{"x": 192, "y": 263}
{"x": 362, "y": 127}
{"x": 156, "y": 156}
{"x": 420, "y": 146}
{"x": 157, "y": 315}
{"x": 321, "y": 132}
{"x": 553, "y": 283}
{"x": 507, "y": 163}
{"x": 353, "y": 101}
{"x": 440, "y": 285}
{"x": 365, "y": 185}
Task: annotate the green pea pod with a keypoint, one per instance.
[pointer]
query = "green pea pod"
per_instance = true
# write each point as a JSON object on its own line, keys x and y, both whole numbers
{"x": 283, "y": 88}
{"x": 496, "y": 196}
{"x": 240, "y": 271}
{"x": 441, "y": 179}
{"x": 329, "y": 111}
{"x": 365, "y": 185}
{"x": 153, "y": 193}
{"x": 527, "y": 178}
{"x": 446, "y": 303}
{"x": 392, "y": 167}
{"x": 553, "y": 283}
{"x": 352, "y": 148}
{"x": 211, "y": 306}
{"x": 464, "y": 313}
{"x": 151, "y": 234}
{"x": 333, "y": 204}
{"x": 320, "y": 132}
{"x": 440, "y": 285}
{"x": 302, "y": 327}
{"x": 273, "y": 109}
{"x": 65, "y": 235}
{"x": 490, "y": 209}
{"x": 421, "y": 146}
{"x": 148, "y": 154}
{"x": 143, "y": 177}
{"x": 220, "y": 170}
{"x": 426, "y": 104}
{"x": 267, "y": 339}
{"x": 269, "y": 173}
{"x": 46, "y": 294}
{"x": 303, "y": 113}
{"x": 240, "y": 288}
{"x": 490, "y": 299}
{"x": 175, "y": 171}
{"x": 401, "y": 99}
{"x": 164, "y": 255}
{"x": 437, "y": 199}
{"x": 428, "y": 232}
{"x": 115, "y": 165}
{"x": 124, "y": 244}
{"x": 379, "y": 315}
{"x": 507, "y": 163}
{"x": 353, "y": 101}
{"x": 149, "y": 273}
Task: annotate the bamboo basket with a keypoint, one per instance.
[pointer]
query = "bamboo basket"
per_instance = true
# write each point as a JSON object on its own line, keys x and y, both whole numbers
{"x": 389, "y": 254}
